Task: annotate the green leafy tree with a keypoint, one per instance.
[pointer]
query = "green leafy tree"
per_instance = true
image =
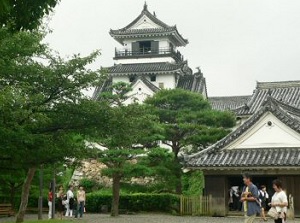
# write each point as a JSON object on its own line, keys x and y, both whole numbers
{"x": 189, "y": 123}
{"x": 126, "y": 130}
{"x": 158, "y": 164}
{"x": 24, "y": 15}
{"x": 11, "y": 182}
{"x": 43, "y": 113}
{"x": 193, "y": 183}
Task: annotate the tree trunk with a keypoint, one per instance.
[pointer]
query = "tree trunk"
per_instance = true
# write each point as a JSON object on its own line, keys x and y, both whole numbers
{"x": 177, "y": 168}
{"x": 178, "y": 175}
{"x": 25, "y": 195}
{"x": 116, "y": 195}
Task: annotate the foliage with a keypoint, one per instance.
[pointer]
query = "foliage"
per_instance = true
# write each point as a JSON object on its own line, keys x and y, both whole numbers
{"x": 134, "y": 202}
{"x": 44, "y": 114}
{"x": 24, "y": 15}
{"x": 160, "y": 166}
{"x": 193, "y": 183}
{"x": 126, "y": 130}
{"x": 89, "y": 185}
{"x": 189, "y": 123}
{"x": 188, "y": 119}
{"x": 52, "y": 221}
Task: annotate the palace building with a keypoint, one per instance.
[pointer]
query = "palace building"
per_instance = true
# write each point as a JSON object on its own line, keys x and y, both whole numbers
{"x": 149, "y": 60}
{"x": 266, "y": 141}
{"x": 266, "y": 144}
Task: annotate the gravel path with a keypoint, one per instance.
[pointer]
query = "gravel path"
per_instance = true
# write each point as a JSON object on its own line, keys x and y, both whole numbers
{"x": 148, "y": 218}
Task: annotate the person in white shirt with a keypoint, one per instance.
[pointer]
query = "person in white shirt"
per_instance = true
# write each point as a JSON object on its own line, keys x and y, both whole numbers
{"x": 70, "y": 202}
{"x": 279, "y": 201}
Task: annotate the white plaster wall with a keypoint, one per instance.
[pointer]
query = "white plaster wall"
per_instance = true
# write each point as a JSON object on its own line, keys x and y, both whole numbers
{"x": 144, "y": 23}
{"x": 117, "y": 79}
{"x": 139, "y": 93}
{"x": 261, "y": 135}
{"x": 167, "y": 79}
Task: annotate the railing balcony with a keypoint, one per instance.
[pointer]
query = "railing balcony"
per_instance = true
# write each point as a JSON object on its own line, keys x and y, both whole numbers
{"x": 148, "y": 53}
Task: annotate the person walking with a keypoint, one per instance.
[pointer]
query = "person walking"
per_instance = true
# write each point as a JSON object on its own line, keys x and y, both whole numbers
{"x": 50, "y": 198}
{"x": 60, "y": 202}
{"x": 279, "y": 201}
{"x": 250, "y": 199}
{"x": 70, "y": 202}
{"x": 81, "y": 201}
{"x": 263, "y": 197}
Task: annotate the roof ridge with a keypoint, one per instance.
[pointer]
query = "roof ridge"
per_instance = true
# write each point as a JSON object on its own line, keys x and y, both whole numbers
{"x": 284, "y": 106}
{"x": 270, "y": 105}
{"x": 277, "y": 84}
{"x": 233, "y": 96}
{"x": 146, "y": 12}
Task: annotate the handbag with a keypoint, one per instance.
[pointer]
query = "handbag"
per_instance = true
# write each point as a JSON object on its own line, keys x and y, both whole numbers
{"x": 273, "y": 213}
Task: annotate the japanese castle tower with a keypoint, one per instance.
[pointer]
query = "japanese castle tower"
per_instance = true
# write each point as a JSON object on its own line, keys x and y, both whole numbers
{"x": 148, "y": 59}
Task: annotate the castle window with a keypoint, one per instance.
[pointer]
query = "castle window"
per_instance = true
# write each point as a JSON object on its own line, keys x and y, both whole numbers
{"x": 153, "y": 78}
{"x": 145, "y": 47}
{"x": 161, "y": 85}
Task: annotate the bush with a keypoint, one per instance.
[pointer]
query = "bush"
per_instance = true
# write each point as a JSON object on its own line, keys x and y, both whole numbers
{"x": 193, "y": 183}
{"x": 135, "y": 202}
{"x": 89, "y": 185}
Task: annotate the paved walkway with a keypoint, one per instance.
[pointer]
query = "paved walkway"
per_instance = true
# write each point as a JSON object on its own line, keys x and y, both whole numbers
{"x": 148, "y": 218}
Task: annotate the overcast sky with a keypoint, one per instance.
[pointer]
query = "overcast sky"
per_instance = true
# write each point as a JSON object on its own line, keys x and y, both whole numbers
{"x": 235, "y": 42}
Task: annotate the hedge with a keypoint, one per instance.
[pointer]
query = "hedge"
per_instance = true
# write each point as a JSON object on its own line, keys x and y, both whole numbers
{"x": 134, "y": 202}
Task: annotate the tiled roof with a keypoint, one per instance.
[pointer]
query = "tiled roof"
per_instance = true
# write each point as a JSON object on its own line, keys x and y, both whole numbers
{"x": 144, "y": 68}
{"x": 287, "y": 92}
{"x": 287, "y": 114}
{"x": 164, "y": 30}
{"x": 146, "y": 12}
{"x": 258, "y": 157}
{"x": 104, "y": 87}
{"x": 143, "y": 31}
{"x": 195, "y": 83}
{"x": 228, "y": 103}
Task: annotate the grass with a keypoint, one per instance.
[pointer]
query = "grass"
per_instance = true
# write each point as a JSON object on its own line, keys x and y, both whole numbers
{"x": 48, "y": 221}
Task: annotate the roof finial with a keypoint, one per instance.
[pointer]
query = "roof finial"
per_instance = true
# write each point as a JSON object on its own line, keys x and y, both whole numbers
{"x": 145, "y": 6}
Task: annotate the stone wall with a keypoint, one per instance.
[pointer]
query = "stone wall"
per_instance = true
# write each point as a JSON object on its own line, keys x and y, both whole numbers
{"x": 92, "y": 169}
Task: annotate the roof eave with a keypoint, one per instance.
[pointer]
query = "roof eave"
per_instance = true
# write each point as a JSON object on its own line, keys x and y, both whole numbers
{"x": 177, "y": 38}
{"x": 143, "y": 72}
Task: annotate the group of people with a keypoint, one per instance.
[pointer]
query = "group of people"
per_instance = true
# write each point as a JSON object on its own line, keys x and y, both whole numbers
{"x": 256, "y": 201}
{"x": 67, "y": 203}
{"x": 235, "y": 203}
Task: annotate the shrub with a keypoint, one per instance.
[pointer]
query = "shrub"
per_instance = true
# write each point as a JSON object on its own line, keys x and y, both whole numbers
{"x": 135, "y": 202}
{"x": 89, "y": 185}
{"x": 193, "y": 183}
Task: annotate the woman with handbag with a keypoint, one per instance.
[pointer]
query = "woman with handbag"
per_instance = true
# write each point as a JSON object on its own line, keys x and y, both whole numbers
{"x": 278, "y": 203}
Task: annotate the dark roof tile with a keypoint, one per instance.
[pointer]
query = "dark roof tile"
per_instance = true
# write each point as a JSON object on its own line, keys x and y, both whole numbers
{"x": 144, "y": 68}
{"x": 228, "y": 103}
{"x": 215, "y": 154}
{"x": 255, "y": 157}
{"x": 193, "y": 82}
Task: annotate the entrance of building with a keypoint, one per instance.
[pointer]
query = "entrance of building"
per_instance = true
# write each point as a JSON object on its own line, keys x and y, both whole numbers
{"x": 235, "y": 185}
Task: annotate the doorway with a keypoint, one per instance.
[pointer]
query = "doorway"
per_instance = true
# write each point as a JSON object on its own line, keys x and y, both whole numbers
{"x": 235, "y": 186}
